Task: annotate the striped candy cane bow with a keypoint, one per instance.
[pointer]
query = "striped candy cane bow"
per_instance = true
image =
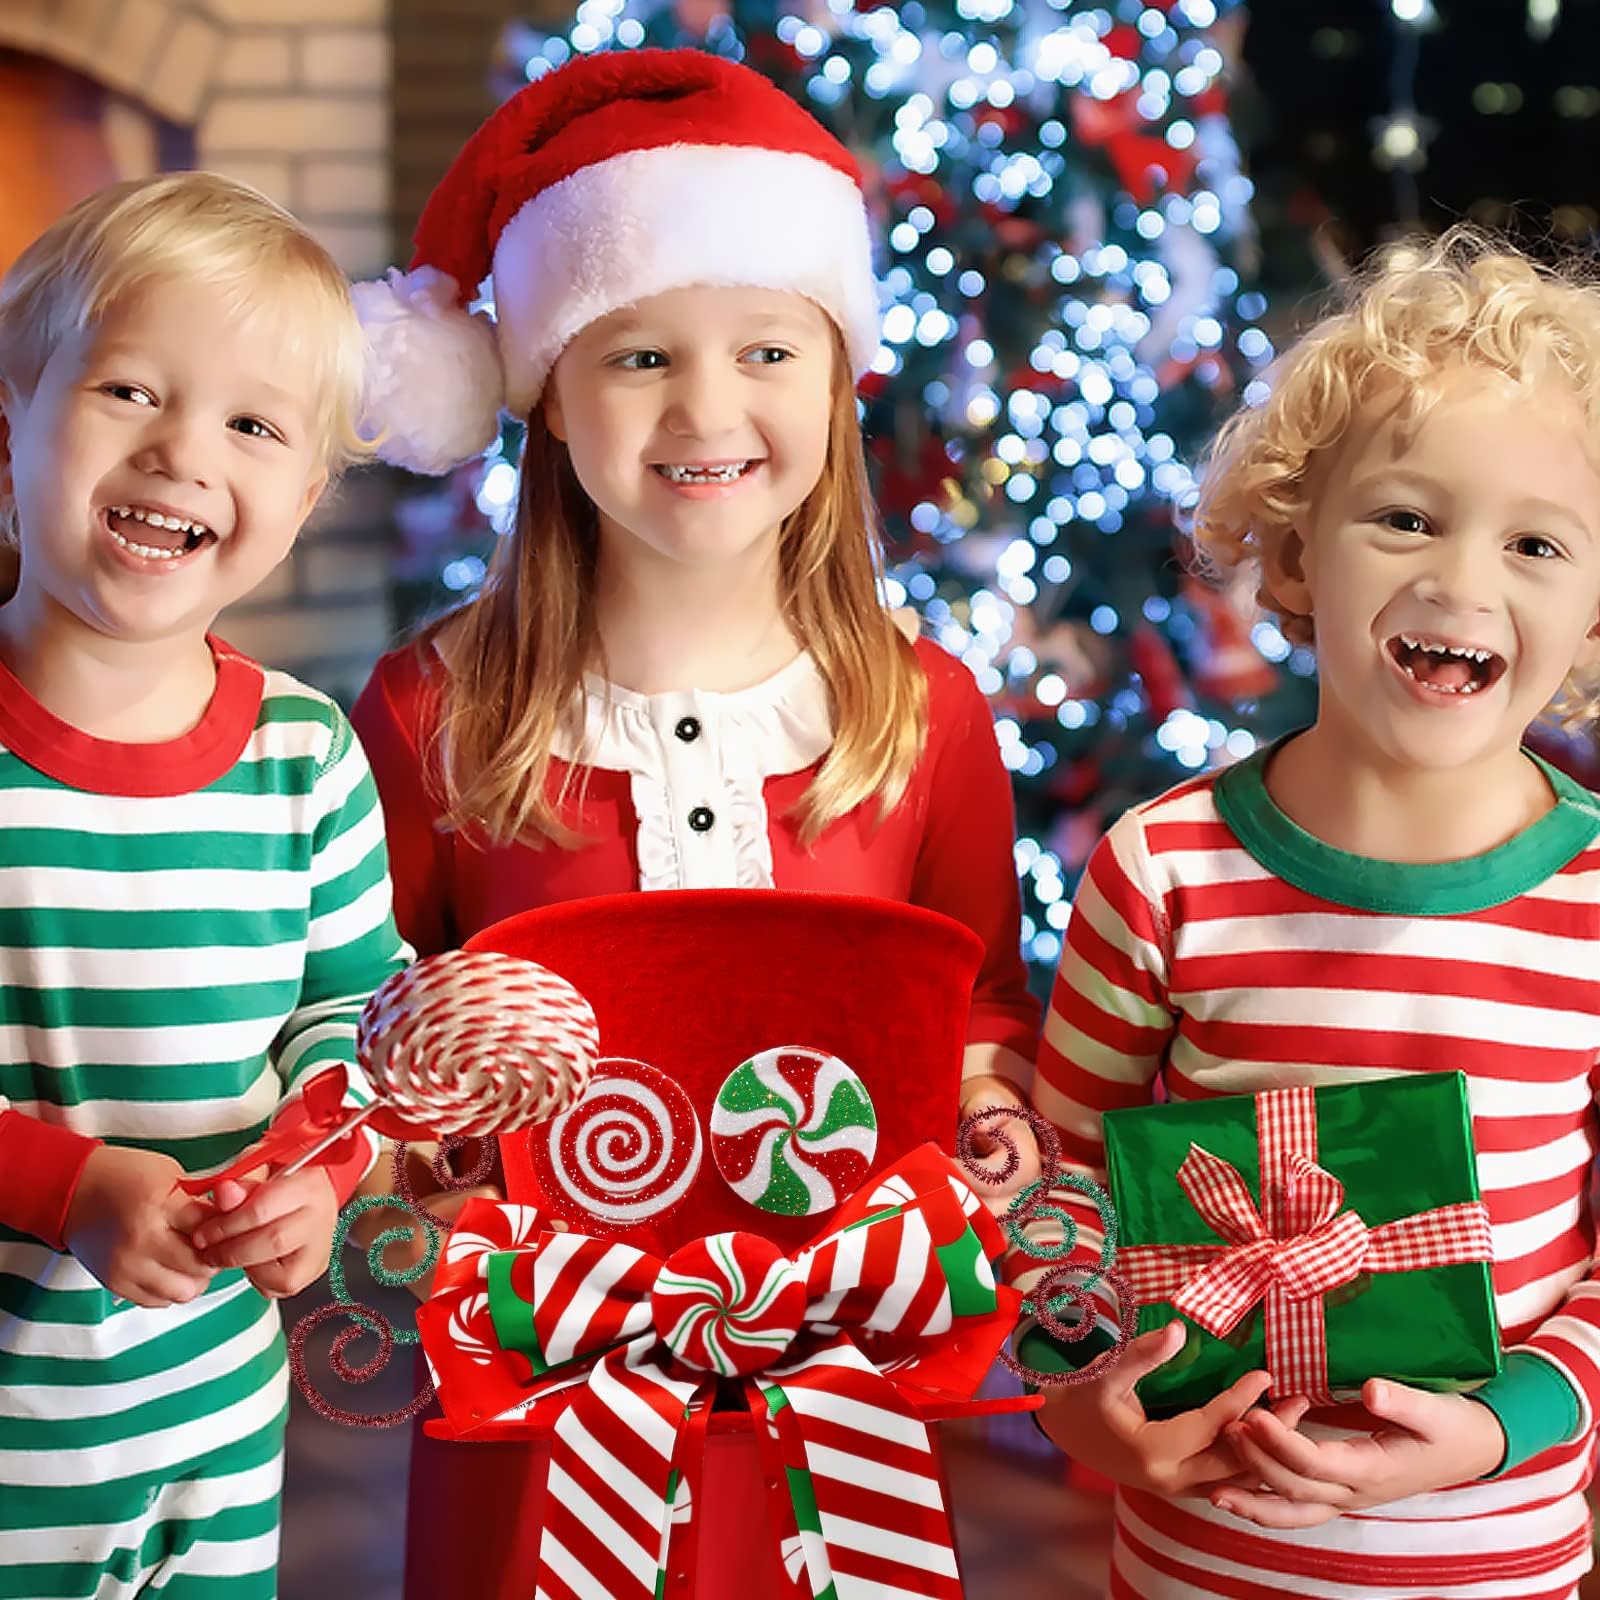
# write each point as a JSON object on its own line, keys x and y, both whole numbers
{"x": 830, "y": 1347}
{"x": 1292, "y": 1250}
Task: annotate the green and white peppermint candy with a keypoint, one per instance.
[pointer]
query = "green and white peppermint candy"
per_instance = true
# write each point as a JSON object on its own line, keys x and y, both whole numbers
{"x": 793, "y": 1131}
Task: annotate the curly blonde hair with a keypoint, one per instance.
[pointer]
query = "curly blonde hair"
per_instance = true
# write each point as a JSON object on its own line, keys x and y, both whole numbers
{"x": 1417, "y": 311}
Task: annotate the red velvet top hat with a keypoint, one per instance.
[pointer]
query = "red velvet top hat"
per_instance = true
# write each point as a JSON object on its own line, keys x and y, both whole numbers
{"x": 695, "y": 982}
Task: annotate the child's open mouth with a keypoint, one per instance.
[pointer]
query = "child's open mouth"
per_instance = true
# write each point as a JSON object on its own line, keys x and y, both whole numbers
{"x": 1443, "y": 668}
{"x": 156, "y": 535}
{"x": 722, "y": 472}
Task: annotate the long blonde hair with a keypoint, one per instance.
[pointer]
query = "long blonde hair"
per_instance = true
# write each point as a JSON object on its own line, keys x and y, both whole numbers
{"x": 515, "y": 656}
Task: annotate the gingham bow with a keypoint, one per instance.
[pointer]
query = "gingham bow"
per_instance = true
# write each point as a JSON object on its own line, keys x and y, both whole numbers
{"x": 628, "y": 1348}
{"x": 1291, "y": 1250}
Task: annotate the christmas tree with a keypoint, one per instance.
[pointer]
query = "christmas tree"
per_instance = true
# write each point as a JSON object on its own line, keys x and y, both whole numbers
{"x": 1068, "y": 314}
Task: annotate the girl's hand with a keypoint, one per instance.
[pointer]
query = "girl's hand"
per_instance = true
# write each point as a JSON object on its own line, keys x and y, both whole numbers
{"x": 129, "y": 1223}
{"x": 1432, "y": 1441}
{"x": 979, "y": 1094}
{"x": 280, "y": 1231}
{"x": 1103, "y": 1424}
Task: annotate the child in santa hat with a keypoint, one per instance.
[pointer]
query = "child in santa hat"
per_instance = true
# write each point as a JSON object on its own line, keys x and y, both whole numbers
{"x": 679, "y": 673}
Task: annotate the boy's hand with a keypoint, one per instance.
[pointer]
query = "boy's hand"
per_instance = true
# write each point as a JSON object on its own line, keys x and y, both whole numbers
{"x": 1102, "y": 1423}
{"x": 1432, "y": 1441}
{"x": 279, "y": 1231}
{"x": 979, "y": 1094}
{"x": 129, "y": 1224}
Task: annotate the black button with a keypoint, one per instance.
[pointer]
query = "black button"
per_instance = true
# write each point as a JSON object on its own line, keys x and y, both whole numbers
{"x": 701, "y": 818}
{"x": 688, "y": 729}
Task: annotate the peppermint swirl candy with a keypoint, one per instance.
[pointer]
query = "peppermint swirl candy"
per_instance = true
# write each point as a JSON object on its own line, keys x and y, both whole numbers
{"x": 793, "y": 1131}
{"x": 475, "y": 1043}
{"x": 629, "y": 1150}
{"x": 730, "y": 1304}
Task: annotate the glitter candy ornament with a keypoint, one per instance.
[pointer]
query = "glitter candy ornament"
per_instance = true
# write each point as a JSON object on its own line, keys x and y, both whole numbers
{"x": 473, "y": 1043}
{"x": 628, "y": 1151}
{"x": 793, "y": 1131}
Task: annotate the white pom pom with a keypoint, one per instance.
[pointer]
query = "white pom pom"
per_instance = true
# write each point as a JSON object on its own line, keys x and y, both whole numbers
{"x": 435, "y": 386}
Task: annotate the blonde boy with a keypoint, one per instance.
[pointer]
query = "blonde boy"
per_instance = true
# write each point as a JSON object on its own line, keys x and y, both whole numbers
{"x": 1399, "y": 888}
{"x": 194, "y": 903}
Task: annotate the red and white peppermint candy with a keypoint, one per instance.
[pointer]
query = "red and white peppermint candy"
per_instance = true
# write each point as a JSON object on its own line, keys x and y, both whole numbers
{"x": 630, "y": 1149}
{"x": 731, "y": 1304}
{"x": 793, "y": 1131}
{"x": 484, "y": 1227}
{"x": 475, "y": 1043}
{"x": 471, "y": 1330}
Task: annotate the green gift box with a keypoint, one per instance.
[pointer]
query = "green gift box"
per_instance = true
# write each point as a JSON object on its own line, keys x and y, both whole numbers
{"x": 1322, "y": 1288}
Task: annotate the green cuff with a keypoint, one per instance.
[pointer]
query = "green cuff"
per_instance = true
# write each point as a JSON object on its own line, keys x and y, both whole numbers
{"x": 1037, "y": 1349}
{"x": 1042, "y": 1352}
{"x": 1534, "y": 1402}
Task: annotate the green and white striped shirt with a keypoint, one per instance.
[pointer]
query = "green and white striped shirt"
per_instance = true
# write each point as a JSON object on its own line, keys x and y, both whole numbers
{"x": 187, "y": 931}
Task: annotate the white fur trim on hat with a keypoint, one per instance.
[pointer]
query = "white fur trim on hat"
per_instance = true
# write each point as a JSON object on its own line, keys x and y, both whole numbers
{"x": 651, "y": 220}
{"x": 434, "y": 387}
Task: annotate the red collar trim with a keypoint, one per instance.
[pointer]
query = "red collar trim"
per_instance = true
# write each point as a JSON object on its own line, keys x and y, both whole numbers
{"x": 103, "y": 766}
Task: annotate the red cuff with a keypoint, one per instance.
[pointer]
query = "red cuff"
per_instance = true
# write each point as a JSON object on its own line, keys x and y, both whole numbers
{"x": 1005, "y": 1026}
{"x": 42, "y": 1164}
{"x": 346, "y": 1173}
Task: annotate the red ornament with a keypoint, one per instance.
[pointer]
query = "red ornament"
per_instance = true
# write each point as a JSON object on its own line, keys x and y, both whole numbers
{"x": 1143, "y": 161}
{"x": 1227, "y": 666}
{"x": 1151, "y": 657}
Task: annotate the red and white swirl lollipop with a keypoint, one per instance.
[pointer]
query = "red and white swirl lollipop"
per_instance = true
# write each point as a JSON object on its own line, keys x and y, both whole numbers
{"x": 464, "y": 1044}
{"x": 630, "y": 1149}
{"x": 473, "y": 1043}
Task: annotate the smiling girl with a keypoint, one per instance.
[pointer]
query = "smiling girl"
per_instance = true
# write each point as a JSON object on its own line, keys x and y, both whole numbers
{"x": 1399, "y": 888}
{"x": 680, "y": 673}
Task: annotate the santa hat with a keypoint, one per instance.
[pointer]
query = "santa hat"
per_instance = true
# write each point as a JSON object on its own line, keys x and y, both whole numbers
{"x": 616, "y": 177}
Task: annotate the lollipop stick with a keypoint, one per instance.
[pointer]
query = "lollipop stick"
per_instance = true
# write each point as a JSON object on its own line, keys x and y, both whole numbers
{"x": 345, "y": 1125}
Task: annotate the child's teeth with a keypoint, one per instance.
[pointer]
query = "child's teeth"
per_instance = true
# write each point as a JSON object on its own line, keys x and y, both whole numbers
{"x": 1434, "y": 648}
{"x": 705, "y": 474}
{"x": 149, "y": 551}
{"x": 158, "y": 519}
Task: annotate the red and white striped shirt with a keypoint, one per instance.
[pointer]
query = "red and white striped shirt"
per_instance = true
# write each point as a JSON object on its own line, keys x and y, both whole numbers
{"x": 1219, "y": 948}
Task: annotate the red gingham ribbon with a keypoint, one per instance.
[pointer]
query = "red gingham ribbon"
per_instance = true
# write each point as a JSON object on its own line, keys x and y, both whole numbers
{"x": 1291, "y": 1251}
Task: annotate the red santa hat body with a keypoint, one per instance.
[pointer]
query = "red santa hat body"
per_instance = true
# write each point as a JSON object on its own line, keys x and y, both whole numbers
{"x": 616, "y": 177}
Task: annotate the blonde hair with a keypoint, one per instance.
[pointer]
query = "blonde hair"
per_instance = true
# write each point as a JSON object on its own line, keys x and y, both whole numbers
{"x": 1418, "y": 311}
{"x": 515, "y": 656}
{"x": 196, "y": 227}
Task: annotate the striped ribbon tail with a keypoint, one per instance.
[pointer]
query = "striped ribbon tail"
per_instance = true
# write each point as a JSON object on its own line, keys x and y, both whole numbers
{"x": 609, "y": 1506}
{"x": 869, "y": 1502}
{"x": 791, "y": 1499}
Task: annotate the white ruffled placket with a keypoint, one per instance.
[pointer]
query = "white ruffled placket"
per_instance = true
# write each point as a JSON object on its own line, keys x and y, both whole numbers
{"x": 698, "y": 762}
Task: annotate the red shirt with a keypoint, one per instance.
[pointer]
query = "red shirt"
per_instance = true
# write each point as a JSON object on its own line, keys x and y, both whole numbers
{"x": 947, "y": 845}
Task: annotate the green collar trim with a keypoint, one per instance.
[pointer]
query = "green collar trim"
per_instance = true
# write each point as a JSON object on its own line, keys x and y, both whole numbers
{"x": 1411, "y": 889}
